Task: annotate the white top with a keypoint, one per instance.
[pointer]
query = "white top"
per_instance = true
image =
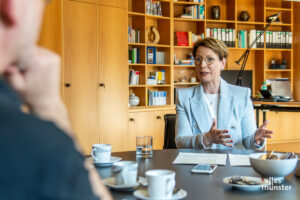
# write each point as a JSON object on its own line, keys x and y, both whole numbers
{"x": 212, "y": 101}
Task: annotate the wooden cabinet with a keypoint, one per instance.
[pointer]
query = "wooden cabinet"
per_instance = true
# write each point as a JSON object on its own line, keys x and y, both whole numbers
{"x": 147, "y": 123}
{"x": 80, "y": 70}
{"x": 113, "y": 95}
{"x": 95, "y": 74}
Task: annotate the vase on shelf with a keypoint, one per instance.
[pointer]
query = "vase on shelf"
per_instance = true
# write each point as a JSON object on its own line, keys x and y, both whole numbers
{"x": 215, "y": 12}
{"x": 244, "y": 16}
{"x": 134, "y": 100}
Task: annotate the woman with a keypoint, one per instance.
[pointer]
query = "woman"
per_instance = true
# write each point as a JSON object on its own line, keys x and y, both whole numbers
{"x": 216, "y": 114}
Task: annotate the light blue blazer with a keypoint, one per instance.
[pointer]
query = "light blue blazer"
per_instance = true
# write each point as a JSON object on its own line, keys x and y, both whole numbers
{"x": 235, "y": 114}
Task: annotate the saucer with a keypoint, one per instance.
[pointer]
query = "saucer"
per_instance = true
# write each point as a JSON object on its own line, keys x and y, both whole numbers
{"x": 110, "y": 182}
{"x": 107, "y": 164}
{"x": 263, "y": 183}
{"x": 143, "y": 194}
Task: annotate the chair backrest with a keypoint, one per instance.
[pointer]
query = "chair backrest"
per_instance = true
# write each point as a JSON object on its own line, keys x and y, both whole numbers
{"x": 170, "y": 122}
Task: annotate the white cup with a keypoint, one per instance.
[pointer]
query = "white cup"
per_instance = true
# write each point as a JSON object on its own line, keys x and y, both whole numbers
{"x": 125, "y": 172}
{"x": 160, "y": 183}
{"x": 193, "y": 80}
{"x": 101, "y": 153}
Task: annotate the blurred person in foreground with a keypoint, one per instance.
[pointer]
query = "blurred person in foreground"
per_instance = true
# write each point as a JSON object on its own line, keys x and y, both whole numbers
{"x": 38, "y": 153}
{"x": 215, "y": 114}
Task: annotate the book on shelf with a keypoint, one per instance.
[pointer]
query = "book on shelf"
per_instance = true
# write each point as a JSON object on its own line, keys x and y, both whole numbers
{"x": 156, "y": 78}
{"x": 134, "y": 77}
{"x": 153, "y": 7}
{"x": 225, "y": 35}
{"x": 160, "y": 57}
{"x": 195, "y": 11}
{"x": 194, "y": 38}
{"x": 134, "y": 55}
{"x": 279, "y": 39}
{"x": 196, "y": 1}
{"x": 133, "y": 35}
{"x": 157, "y": 98}
{"x": 151, "y": 55}
{"x": 181, "y": 39}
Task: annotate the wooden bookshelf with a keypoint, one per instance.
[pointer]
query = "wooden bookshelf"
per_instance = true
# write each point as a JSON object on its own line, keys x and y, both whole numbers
{"x": 170, "y": 22}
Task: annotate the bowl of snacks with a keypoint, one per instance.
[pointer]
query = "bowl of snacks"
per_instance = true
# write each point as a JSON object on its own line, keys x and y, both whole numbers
{"x": 277, "y": 165}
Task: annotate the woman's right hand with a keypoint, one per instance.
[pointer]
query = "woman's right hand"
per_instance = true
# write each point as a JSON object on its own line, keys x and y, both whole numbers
{"x": 217, "y": 136}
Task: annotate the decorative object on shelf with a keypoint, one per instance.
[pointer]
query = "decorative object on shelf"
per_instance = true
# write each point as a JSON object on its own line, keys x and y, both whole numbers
{"x": 176, "y": 61}
{"x": 283, "y": 64}
{"x": 244, "y": 16}
{"x": 152, "y": 35}
{"x": 273, "y": 64}
{"x": 215, "y": 12}
{"x": 245, "y": 55}
{"x": 134, "y": 100}
{"x": 193, "y": 79}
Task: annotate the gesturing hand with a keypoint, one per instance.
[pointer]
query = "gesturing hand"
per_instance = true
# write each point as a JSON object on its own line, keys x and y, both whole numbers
{"x": 217, "y": 136}
{"x": 263, "y": 133}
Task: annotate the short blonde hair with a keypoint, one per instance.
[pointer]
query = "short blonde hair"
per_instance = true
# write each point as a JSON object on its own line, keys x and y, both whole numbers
{"x": 217, "y": 46}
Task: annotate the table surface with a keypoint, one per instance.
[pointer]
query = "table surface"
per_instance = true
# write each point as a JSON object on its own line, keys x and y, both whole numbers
{"x": 203, "y": 186}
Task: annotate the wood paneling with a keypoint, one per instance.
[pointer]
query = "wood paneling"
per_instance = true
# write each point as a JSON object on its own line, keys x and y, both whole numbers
{"x": 113, "y": 72}
{"x": 51, "y": 32}
{"x": 285, "y": 146}
{"x": 140, "y": 124}
{"x": 115, "y": 3}
{"x": 147, "y": 123}
{"x": 80, "y": 70}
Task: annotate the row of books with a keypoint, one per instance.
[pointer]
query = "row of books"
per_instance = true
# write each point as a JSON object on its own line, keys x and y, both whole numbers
{"x": 153, "y": 7}
{"x": 226, "y": 35}
{"x": 187, "y": 38}
{"x": 246, "y": 37}
{"x": 157, "y": 98}
{"x": 195, "y": 1}
{"x": 134, "y": 55}
{"x": 134, "y": 77}
{"x": 154, "y": 56}
{"x": 156, "y": 78}
{"x": 194, "y": 12}
{"x": 133, "y": 35}
{"x": 279, "y": 39}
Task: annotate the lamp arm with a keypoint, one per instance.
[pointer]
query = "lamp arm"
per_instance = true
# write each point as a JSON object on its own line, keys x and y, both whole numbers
{"x": 254, "y": 42}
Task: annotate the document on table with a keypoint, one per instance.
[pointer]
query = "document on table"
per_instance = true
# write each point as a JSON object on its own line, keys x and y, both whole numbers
{"x": 239, "y": 160}
{"x": 200, "y": 158}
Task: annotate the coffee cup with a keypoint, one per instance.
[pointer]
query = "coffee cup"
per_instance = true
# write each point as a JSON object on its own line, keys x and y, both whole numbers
{"x": 101, "y": 153}
{"x": 160, "y": 183}
{"x": 125, "y": 172}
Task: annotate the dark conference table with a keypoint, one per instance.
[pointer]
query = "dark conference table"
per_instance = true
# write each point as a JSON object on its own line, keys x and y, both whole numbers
{"x": 203, "y": 186}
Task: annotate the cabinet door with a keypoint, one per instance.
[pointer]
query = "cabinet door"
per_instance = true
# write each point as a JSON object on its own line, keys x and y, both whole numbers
{"x": 113, "y": 77}
{"x": 159, "y": 124}
{"x": 80, "y": 70}
{"x": 115, "y": 3}
{"x": 140, "y": 124}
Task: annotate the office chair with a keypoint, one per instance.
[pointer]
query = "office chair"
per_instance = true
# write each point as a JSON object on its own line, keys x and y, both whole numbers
{"x": 170, "y": 121}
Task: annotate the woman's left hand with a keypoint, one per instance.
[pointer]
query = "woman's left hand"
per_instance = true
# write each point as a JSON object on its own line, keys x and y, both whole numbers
{"x": 262, "y": 133}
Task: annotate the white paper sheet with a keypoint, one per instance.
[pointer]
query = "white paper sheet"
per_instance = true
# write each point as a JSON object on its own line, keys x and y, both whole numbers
{"x": 239, "y": 160}
{"x": 200, "y": 158}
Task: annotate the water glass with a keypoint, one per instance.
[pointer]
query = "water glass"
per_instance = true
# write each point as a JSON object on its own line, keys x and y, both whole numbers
{"x": 144, "y": 146}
